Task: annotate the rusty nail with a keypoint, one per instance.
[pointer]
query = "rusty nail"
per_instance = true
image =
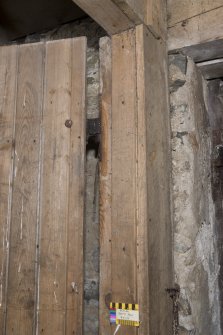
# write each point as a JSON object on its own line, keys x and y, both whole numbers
{"x": 68, "y": 123}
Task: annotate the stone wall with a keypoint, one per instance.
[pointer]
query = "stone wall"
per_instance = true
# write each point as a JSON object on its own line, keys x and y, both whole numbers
{"x": 195, "y": 253}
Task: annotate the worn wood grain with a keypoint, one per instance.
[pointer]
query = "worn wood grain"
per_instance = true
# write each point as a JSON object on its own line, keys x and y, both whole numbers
{"x": 21, "y": 276}
{"x": 42, "y": 173}
{"x": 211, "y": 69}
{"x": 143, "y": 275}
{"x": 181, "y": 10}
{"x": 153, "y": 104}
{"x": 61, "y": 261}
{"x": 116, "y": 16}
{"x": 135, "y": 10}
{"x": 124, "y": 120}
{"x": 139, "y": 266}
{"x": 204, "y": 51}
{"x": 107, "y": 14}
{"x": 75, "y": 273}
{"x": 203, "y": 28}
{"x": 150, "y": 12}
{"x": 54, "y": 189}
{"x": 105, "y": 185}
{"x": 157, "y": 18}
{"x": 8, "y": 79}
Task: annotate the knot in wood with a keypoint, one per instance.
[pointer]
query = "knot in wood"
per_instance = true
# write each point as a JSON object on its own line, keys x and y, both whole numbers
{"x": 68, "y": 123}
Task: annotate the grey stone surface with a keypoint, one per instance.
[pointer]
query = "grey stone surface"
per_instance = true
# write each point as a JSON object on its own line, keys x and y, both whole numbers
{"x": 178, "y": 69}
{"x": 179, "y": 61}
{"x": 195, "y": 254}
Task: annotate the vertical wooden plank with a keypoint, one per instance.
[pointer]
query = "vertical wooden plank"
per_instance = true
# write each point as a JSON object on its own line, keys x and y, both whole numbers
{"x": 54, "y": 189}
{"x": 8, "y": 79}
{"x": 140, "y": 269}
{"x": 105, "y": 185}
{"x": 124, "y": 121}
{"x": 61, "y": 254}
{"x": 21, "y": 277}
{"x": 75, "y": 272}
{"x": 143, "y": 275}
{"x": 152, "y": 90}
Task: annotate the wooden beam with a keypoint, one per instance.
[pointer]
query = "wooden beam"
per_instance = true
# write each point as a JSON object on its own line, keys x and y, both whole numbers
{"x": 136, "y": 253}
{"x": 212, "y": 69}
{"x": 204, "y": 51}
{"x": 179, "y": 11}
{"x": 203, "y": 29}
{"x": 116, "y": 16}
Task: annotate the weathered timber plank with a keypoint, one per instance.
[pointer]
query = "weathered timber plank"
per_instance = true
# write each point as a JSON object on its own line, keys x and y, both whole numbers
{"x": 206, "y": 27}
{"x": 107, "y": 14}
{"x": 157, "y": 18}
{"x": 212, "y": 69}
{"x": 153, "y": 104}
{"x": 124, "y": 120}
{"x": 76, "y": 189}
{"x": 204, "y": 51}
{"x": 54, "y": 189}
{"x": 116, "y": 16}
{"x": 61, "y": 271}
{"x": 136, "y": 10}
{"x": 8, "y": 79}
{"x": 105, "y": 185}
{"x": 143, "y": 276}
{"x": 21, "y": 277}
{"x": 181, "y": 10}
{"x": 150, "y": 12}
{"x": 2, "y": 321}
{"x": 136, "y": 266}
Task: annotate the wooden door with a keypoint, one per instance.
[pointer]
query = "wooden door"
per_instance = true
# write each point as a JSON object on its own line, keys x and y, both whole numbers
{"x": 42, "y": 158}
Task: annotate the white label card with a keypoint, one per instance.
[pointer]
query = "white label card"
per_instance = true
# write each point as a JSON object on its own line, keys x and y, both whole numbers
{"x": 127, "y": 315}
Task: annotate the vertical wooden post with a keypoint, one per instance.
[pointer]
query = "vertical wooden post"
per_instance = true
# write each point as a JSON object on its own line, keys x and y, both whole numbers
{"x": 137, "y": 235}
{"x": 153, "y": 109}
{"x": 105, "y": 184}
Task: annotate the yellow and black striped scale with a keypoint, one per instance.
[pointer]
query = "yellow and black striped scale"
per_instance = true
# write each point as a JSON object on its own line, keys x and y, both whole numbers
{"x": 124, "y": 306}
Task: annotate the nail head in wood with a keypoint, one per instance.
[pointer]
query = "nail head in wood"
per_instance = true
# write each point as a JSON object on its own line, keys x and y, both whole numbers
{"x": 68, "y": 123}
